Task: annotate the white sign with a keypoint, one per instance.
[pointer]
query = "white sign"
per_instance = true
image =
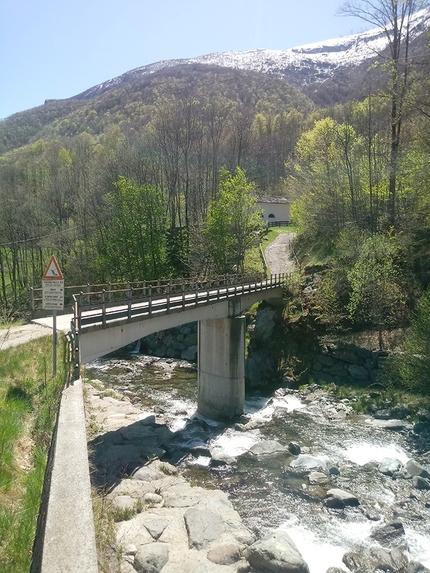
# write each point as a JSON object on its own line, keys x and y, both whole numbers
{"x": 52, "y": 294}
{"x": 52, "y": 287}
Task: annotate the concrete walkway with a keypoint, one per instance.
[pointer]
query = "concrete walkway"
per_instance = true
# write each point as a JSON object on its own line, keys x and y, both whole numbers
{"x": 16, "y": 335}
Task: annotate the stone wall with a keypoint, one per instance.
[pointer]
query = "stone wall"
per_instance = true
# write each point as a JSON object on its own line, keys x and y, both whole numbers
{"x": 179, "y": 343}
{"x": 342, "y": 363}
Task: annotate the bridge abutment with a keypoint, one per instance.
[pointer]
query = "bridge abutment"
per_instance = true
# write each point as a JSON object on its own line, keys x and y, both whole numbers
{"x": 221, "y": 367}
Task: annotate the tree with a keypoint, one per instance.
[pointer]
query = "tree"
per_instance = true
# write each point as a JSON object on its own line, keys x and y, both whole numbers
{"x": 133, "y": 244}
{"x": 233, "y": 222}
{"x": 413, "y": 366}
{"x": 376, "y": 295}
{"x": 394, "y": 17}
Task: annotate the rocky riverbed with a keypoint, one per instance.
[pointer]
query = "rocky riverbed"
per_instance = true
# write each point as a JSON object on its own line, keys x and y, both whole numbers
{"x": 299, "y": 482}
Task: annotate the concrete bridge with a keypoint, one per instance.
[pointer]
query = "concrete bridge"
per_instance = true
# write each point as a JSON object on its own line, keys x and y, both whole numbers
{"x": 109, "y": 318}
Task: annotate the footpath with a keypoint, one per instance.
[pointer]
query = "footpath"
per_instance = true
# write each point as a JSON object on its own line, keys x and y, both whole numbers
{"x": 16, "y": 335}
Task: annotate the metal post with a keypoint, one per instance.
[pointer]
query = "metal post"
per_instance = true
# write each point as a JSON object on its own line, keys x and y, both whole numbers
{"x": 130, "y": 295}
{"x": 81, "y": 295}
{"x": 32, "y": 298}
{"x": 54, "y": 342}
{"x": 109, "y": 292}
{"x": 150, "y": 300}
{"x": 104, "y": 308}
{"x": 168, "y": 297}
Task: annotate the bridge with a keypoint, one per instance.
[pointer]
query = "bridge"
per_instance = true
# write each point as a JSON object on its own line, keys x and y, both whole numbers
{"x": 106, "y": 318}
{"x": 112, "y": 316}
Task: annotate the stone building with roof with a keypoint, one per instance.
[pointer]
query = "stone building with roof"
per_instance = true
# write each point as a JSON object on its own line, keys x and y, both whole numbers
{"x": 276, "y": 210}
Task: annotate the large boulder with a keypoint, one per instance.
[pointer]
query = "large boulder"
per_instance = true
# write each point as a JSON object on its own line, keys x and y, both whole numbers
{"x": 415, "y": 469}
{"x": 391, "y": 534}
{"x": 305, "y": 463}
{"x": 203, "y": 527}
{"x": 389, "y": 466}
{"x": 339, "y": 498}
{"x": 151, "y": 558}
{"x": 276, "y": 553}
{"x": 267, "y": 447}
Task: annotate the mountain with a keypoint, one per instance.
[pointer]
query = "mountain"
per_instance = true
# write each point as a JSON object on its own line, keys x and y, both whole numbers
{"x": 307, "y": 67}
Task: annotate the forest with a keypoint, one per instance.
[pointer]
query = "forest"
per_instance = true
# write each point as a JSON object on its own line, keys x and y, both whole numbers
{"x": 159, "y": 177}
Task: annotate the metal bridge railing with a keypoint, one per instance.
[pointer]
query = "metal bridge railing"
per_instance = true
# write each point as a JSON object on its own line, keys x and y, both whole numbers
{"x": 106, "y": 306}
{"x": 117, "y": 291}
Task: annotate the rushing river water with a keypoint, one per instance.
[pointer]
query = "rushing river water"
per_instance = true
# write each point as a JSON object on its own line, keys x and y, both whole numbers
{"x": 264, "y": 493}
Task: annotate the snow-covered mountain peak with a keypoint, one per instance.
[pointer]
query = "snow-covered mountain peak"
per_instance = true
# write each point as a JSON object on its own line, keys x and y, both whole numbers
{"x": 304, "y": 65}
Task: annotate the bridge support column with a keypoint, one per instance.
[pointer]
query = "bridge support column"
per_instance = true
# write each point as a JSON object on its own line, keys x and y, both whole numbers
{"x": 221, "y": 367}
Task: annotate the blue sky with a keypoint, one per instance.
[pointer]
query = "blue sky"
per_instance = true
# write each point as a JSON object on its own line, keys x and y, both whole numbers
{"x": 53, "y": 49}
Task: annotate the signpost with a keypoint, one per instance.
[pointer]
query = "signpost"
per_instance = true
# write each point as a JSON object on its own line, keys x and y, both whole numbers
{"x": 53, "y": 299}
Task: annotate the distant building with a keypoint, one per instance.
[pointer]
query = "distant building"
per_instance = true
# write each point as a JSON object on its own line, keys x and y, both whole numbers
{"x": 276, "y": 210}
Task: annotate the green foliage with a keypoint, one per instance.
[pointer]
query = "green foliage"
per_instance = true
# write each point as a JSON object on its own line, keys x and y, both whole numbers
{"x": 376, "y": 294}
{"x": 29, "y": 400}
{"x": 411, "y": 368}
{"x": 234, "y": 223}
{"x": 134, "y": 245}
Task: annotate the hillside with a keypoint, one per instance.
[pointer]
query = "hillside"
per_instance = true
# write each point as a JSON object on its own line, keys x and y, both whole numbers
{"x": 129, "y": 102}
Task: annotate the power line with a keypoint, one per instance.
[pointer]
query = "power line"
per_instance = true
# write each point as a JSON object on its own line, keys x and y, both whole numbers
{"x": 38, "y": 238}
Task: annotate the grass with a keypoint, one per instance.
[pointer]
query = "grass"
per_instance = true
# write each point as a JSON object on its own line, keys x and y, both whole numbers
{"x": 29, "y": 399}
{"x": 363, "y": 396}
{"x": 6, "y": 325}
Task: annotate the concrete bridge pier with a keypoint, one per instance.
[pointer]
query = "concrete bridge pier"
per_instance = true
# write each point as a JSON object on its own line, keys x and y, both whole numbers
{"x": 221, "y": 367}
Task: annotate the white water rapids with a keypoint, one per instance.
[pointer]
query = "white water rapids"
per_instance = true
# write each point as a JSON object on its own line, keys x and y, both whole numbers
{"x": 259, "y": 490}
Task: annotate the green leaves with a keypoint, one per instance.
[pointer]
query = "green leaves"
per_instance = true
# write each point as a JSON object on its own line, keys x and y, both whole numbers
{"x": 376, "y": 295}
{"x": 233, "y": 222}
{"x": 133, "y": 246}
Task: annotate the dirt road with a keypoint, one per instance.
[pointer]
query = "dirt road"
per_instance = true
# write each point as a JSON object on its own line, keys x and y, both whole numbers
{"x": 278, "y": 254}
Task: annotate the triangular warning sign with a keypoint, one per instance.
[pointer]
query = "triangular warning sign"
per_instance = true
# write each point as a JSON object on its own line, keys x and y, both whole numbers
{"x": 52, "y": 271}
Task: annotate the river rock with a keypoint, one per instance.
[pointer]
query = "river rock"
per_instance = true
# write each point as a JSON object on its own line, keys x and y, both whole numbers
{"x": 389, "y": 466}
{"x": 220, "y": 459}
{"x": 151, "y": 558}
{"x": 147, "y": 473}
{"x": 339, "y": 498}
{"x": 155, "y": 527}
{"x": 224, "y": 554}
{"x": 394, "y": 560}
{"x": 267, "y": 447}
{"x": 356, "y": 561}
{"x": 419, "y": 482}
{"x": 276, "y": 553}
{"x": 317, "y": 478}
{"x": 390, "y": 535}
{"x": 294, "y": 448}
{"x": 152, "y": 498}
{"x": 305, "y": 463}
{"x": 203, "y": 527}
{"x": 415, "y": 469}
{"x": 415, "y": 567}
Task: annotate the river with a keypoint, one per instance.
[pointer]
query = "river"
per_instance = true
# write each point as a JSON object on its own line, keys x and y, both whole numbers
{"x": 263, "y": 489}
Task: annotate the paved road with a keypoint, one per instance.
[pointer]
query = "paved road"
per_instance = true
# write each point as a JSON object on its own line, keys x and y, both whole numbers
{"x": 17, "y": 335}
{"x": 278, "y": 254}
